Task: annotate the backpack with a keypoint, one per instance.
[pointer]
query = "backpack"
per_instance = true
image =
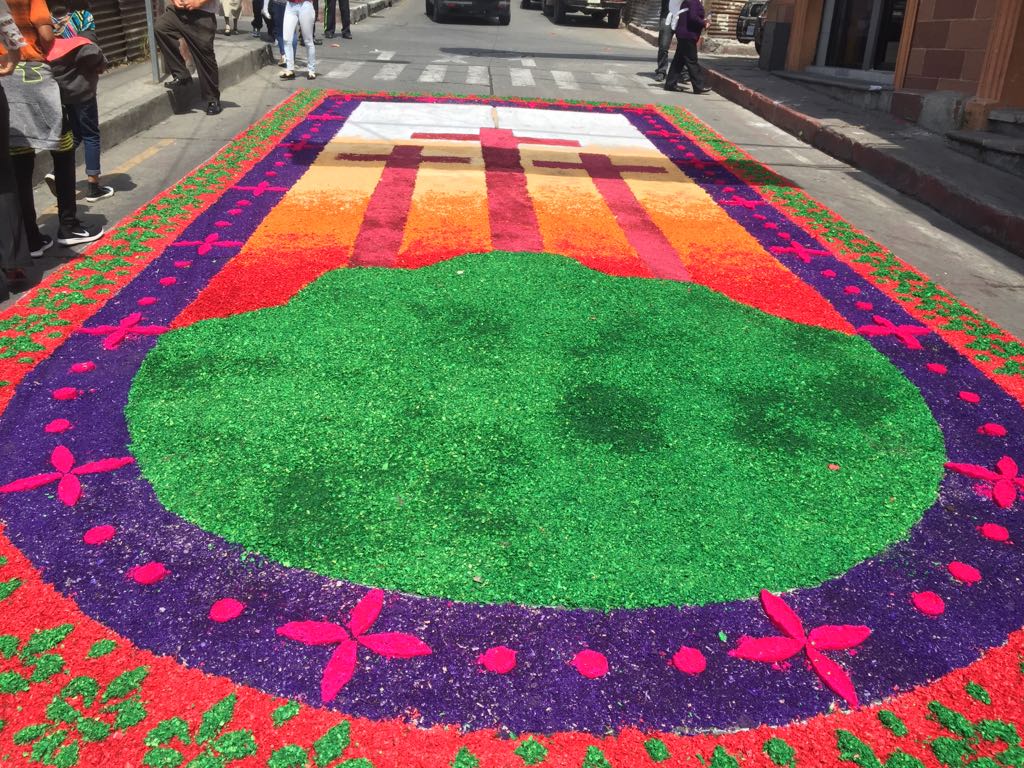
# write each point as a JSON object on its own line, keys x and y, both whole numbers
{"x": 76, "y": 63}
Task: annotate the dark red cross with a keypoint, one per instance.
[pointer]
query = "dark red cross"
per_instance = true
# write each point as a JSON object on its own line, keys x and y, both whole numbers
{"x": 513, "y": 221}
{"x": 383, "y": 228}
{"x": 643, "y": 234}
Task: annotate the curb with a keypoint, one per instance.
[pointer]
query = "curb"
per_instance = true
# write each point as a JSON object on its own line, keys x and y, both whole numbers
{"x": 1000, "y": 226}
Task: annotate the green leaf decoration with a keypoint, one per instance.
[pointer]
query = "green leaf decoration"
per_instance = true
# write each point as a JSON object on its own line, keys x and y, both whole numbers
{"x": 532, "y": 752}
{"x": 67, "y": 757}
{"x": 166, "y": 731}
{"x": 331, "y": 745}
{"x": 43, "y": 751}
{"x": 893, "y": 723}
{"x": 215, "y": 718}
{"x": 288, "y": 756}
{"x": 284, "y": 713}
{"x": 83, "y": 686}
{"x": 465, "y": 759}
{"x": 46, "y": 667}
{"x": 356, "y": 762}
{"x": 595, "y": 759}
{"x": 900, "y": 759}
{"x": 235, "y": 745}
{"x": 129, "y": 713}
{"x": 59, "y": 711}
{"x": 12, "y": 682}
{"x": 92, "y": 729}
{"x": 780, "y": 753}
{"x": 101, "y": 648}
{"x": 125, "y": 683}
{"x": 43, "y": 640}
{"x": 205, "y": 760}
{"x": 28, "y": 733}
{"x": 997, "y": 730}
{"x": 7, "y": 588}
{"x": 951, "y": 720}
{"x": 8, "y": 645}
{"x": 856, "y": 751}
{"x": 722, "y": 759}
{"x": 978, "y": 693}
{"x": 162, "y": 757}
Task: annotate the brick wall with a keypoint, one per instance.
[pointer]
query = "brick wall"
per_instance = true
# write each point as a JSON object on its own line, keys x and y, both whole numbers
{"x": 948, "y": 46}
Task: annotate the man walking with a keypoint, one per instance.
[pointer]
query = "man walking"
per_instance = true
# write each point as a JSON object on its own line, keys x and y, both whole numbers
{"x": 666, "y": 31}
{"x": 688, "y": 31}
{"x": 195, "y": 22}
{"x": 346, "y": 19}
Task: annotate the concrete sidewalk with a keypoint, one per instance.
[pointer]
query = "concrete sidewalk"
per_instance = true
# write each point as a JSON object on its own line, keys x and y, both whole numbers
{"x": 907, "y": 158}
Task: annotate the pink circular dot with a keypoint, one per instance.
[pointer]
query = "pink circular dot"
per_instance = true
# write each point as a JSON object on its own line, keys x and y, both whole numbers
{"x": 968, "y": 574}
{"x": 970, "y": 397}
{"x": 590, "y": 664}
{"x": 994, "y": 532}
{"x": 865, "y": 305}
{"x": 306, "y": 136}
{"x": 785, "y": 235}
{"x": 222, "y": 223}
{"x": 828, "y": 273}
{"x": 689, "y": 660}
{"x": 728, "y": 190}
{"x": 771, "y": 225}
{"x": 937, "y": 368}
{"x": 244, "y": 203}
{"x": 147, "y": 574}
{"x": 57, "y": 426}
{"x": 271, "y": 173}
{"x": 99, "y": 534}
{"x": 65, "y": 393}
{"x": 235, "y": 211}
{"x": 83, "y": 367}
{"x": 226, "y": 609}
{"x": 760, "y": 216}
{"x": 992, "y": 430}
{"x": 500, "y": 659}
{"x": 278, "y": 163}
{"x": 182, "y": 264}
{"x": 168, "y": 280}
{"x": 928, "y": 603}
{"x": 146, "y": 301}
{"x": 853, "y": 290}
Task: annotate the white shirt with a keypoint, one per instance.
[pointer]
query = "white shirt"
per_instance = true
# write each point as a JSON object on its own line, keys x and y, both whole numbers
{"x": 675, "y": 10}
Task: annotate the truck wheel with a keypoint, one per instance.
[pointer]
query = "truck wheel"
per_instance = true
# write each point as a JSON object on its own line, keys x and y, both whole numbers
{"x": 614, "y": 19}
{"x": 559, "y": 12}
{"x": 438, "y": 12}
{"x": 430, "y": 8}
{"x": 504, "y": 19}
{"x": 545, "y": 7}
{"x": 525, "y": 4}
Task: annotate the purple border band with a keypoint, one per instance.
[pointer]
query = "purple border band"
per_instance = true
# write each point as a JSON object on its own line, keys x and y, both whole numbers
{"x": 544, "y": 693}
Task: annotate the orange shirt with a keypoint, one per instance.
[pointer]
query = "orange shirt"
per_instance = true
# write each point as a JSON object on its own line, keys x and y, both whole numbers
{"x": 29, "y": 14}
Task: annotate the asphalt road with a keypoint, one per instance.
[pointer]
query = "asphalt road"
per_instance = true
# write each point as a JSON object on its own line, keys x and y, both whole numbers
{"x": 401, "y": 49}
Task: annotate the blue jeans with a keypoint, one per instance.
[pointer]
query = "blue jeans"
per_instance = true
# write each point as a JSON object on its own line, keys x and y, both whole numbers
{"x": 276, "y": 28}
{"x": 85, "y": 125}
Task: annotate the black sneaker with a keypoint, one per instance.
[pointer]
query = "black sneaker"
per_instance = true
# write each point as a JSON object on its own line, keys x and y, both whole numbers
{"x": 51, "y": 182}
{"x": 79, "y": 234}
{"x": 347, "y": 35}
{"x": 178, "y": 82}
{"x": 329, "y": 34}
{"x": 45, "y": 243}
{"x": 214, "y": 108}
{"x": 703, "y": 89}
{"x": 98, "y": 192}
{"x": 659, "y": 77}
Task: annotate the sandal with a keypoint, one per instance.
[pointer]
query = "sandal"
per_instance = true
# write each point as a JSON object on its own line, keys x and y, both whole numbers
{"x": 287, "y": 75}
{"x": 311, "y": 75}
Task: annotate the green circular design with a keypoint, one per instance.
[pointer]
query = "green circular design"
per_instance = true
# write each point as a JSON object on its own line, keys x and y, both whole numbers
{"x": 519, "y": 428}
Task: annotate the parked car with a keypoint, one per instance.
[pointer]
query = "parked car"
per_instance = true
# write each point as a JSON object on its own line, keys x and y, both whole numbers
{"x": 439, "y": 10}
{"x": 610, "y": 10}
{"x": 759, "y": 34}
{"x": 747, "y": 21}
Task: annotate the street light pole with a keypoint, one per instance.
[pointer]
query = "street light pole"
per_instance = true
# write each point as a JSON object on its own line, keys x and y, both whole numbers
{"x": 151, "y": 35}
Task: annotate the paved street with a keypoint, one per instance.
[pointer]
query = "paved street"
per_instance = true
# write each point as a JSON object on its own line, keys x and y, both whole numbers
{"x": 402, "y": 49}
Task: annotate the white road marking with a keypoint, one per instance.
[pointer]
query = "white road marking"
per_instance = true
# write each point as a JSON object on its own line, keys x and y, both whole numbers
{"x": 385, "y": 55}
{"x": 433, "y": 73}
{"x": 346, "y": 69}
{"x": 521, "y": 78}
{"x": 610, "y": 82}
{"x": 389, "y": 72}
{"x": 528, "y": 62}
{"x": 478, "y": 75}
{"x": 564, "y": 80}
{"x": 450, "y": 58}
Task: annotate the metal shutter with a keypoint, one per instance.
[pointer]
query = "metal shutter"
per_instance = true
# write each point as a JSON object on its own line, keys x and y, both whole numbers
{"x": 121, "y": 28}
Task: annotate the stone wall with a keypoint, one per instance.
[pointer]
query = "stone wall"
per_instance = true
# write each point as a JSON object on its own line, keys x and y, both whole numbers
{"x": 948, "y": 45}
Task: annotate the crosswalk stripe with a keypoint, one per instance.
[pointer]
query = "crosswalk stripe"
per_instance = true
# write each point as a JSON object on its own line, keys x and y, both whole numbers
{"x": 389, "y": 72}
{"x": 610, "y": 82}
{"x": 385, "y": 55}
{"x": 521, "y": 78}
{"x": 564, "y": 80}
{"x": 478, "y": 75}
{"x": 433, "y": 73}
{"x": 528, "y": 62}
{"x": 347, "y": 69}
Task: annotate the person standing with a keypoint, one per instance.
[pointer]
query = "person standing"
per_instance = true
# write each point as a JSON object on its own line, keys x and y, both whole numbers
{"x": 257, "y": 18}
{"x": 195, "y": 22}
{"x": 232, "y": 9}
{"x": 669, "y": 17}
{"x": 299, "y": 13}
{"x": 346, "y": 19}
{"x": 688, "y": 31}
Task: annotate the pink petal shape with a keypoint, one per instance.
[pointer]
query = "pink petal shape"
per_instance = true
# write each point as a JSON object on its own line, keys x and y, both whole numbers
{"x": 972, "y": 470}
{"x": 867, "y": 306}
{"x": 395, "y": 645}
{"x": 1004, "y": 493}
{"x": 148, "y": 574}
{"x": 83, "y": 367}
{"x": 314, "y": 632}
{"x": 828, "y": 273}
{"x": 769, "y": 649}
{"x": 992, "y": 430}
{"x": 928, "y": 603}
{"x": 689, "y": 660}
{"x": 968, "y": 574}
{"x": 182, "y": 264}
{"x": 839, "y": 637}
{"x": 170, "y": 280}
{"x": 834, "y": 677}
{"x": 57, "y": 426}
{"x": 62, "y": 459}
{"x": 147, "y": 301}
{"x": 969, "y": 397}
{"x": 69, "y": 490}
{"x": 853, "y": 290}
{"x": 500, "y": 659}
{"x": 99, "y": 534}
{"x": 366, "y": 612}
{"x": 992, "y": 531}
{"x": 590, "y": 664}
{"x": 783, "y": 617}
{"x": 1007, "y": 467}
{"x": 226, "y": 609}
{"x": 30, "y": 483}
{"x": 937, "y": 368}
{"x": 103, "y": 465}
{"x": 65, "y": 393}
{"x": 339, "y": 670}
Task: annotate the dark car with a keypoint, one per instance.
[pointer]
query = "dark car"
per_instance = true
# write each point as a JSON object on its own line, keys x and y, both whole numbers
{"x": 747, "y": 21}
{"x": 442, "y": 9}
{"x": 610, "y": 10}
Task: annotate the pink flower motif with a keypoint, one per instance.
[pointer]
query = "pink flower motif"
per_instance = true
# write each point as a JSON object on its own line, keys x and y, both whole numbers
{"x": 500, "y": 659}
{"x": 742, "y": 202}
{"x": 342, "y": 664}
{"x": 211, "y": 241}
{"x": 907, "y": 334}
{"x": 689, "y": 660}
{"x": 69, "y": 488}
{"x": 800, "y": 251}
{"x": 263, "y": 186}
{"x": 129, "y": 326}
{"x": 829, "y": 637}
{"x": 1006, "y": 480}
{"x": 591, "y": 664}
